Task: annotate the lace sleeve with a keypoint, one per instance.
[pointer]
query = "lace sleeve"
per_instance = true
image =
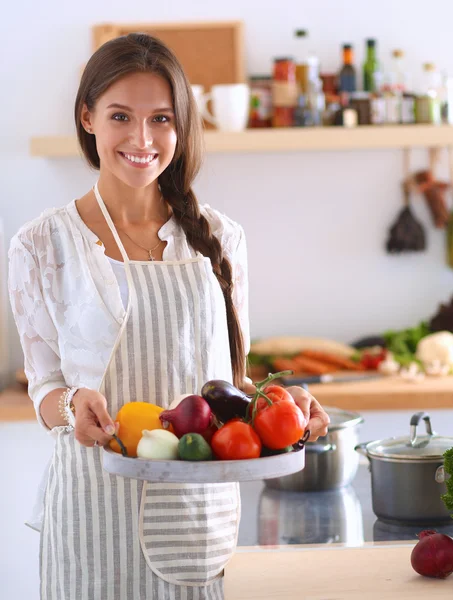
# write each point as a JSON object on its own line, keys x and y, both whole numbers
{"x": 241, "y": 288}
{"x": 37, "y": 332}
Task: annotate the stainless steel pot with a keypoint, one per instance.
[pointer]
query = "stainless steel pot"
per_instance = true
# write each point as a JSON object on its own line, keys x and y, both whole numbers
{"x": 330, "y": 462}
{"x": 407, "y": 475}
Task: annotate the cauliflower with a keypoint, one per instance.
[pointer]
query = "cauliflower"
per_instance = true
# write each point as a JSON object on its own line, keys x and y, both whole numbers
{"x": 436, "y": 349}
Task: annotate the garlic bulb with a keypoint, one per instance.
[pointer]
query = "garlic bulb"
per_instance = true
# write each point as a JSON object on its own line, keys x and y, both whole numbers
{"x": 389, "y": 366}
{"x": 158, "y": 444}
{"x": 412, "y": 373}
{"x": 436, "y": 368}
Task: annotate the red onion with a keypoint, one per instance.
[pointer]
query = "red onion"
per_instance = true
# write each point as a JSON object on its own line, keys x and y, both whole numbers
{"x": 192, "y": 415}
{"x": 433, "y": 555}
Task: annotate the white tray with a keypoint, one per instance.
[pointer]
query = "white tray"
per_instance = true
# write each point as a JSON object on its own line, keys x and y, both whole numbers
{"x": 214, "y": 471}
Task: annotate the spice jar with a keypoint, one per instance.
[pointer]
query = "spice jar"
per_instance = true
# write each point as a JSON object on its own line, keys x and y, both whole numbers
{"x": 260, "y": 101}
{"x": 284, "y": 92}
{"x": 361, "y": 102}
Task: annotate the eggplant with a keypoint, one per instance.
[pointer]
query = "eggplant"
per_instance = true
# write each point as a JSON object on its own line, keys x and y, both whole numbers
{"x": 225, "y": 400}
{"x": 369, "y": 341}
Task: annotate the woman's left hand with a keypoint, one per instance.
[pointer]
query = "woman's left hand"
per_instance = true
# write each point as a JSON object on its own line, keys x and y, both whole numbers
{"x": 318, "y": 419}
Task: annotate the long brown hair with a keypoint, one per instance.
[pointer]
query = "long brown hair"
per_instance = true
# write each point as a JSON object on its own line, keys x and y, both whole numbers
{"x": 139, "y": 52}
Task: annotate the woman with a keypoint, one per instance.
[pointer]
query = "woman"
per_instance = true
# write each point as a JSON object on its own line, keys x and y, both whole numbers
{"x": 132, "y": 292}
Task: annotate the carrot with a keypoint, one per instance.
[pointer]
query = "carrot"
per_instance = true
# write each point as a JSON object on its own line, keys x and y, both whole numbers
{"x": 313, "y": 366}
{"x": 333, "y": 359}
{"x": 284, "y": 364}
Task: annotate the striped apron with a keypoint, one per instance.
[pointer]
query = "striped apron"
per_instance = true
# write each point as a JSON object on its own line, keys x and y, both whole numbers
{"x": 112, "y": 538}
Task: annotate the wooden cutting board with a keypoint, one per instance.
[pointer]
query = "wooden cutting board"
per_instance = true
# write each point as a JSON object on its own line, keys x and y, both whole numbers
{"x": 376, "y": 572}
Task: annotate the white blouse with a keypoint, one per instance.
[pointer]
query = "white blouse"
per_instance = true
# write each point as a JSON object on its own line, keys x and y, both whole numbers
{"x": 67, "y": 301}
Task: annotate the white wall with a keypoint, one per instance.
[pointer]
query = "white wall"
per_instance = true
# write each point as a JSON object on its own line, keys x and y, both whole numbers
{"x": 316, "y": 223}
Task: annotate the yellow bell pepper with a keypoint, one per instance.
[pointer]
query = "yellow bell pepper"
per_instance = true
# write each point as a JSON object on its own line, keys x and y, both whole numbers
{"x": 133, "y": 418}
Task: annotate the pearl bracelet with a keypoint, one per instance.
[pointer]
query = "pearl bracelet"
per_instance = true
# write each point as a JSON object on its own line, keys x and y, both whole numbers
{"x": 66, "y": 406}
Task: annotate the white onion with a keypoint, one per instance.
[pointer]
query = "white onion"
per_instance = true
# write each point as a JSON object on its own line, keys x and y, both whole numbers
{"x": 158, "y": 444}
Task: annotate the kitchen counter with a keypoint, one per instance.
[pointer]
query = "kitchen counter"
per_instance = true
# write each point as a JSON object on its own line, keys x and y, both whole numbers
{"x": 16, "y": 405}
{"x": 389, "y": 393}
{"x": 378, "y": 572}
{"x": 344, "y": 516}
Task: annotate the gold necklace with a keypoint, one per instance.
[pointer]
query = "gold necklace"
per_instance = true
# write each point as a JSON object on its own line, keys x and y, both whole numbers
{"x": 149, "y": 250}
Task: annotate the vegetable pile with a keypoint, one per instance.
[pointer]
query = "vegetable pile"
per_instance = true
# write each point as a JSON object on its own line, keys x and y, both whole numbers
{"x": 222, "y": 423}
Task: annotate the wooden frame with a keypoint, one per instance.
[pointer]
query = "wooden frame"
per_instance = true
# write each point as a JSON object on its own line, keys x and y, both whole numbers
{"x": 183, "y": 32}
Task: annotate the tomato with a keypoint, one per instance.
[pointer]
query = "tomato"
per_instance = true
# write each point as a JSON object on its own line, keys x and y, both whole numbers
{"x": 280, "y": 425}
{"x": 371, "y": 359}
{"x": 236, "y": 441}
{"x": 276, "y": 393}
{"x": 209, "y": 432}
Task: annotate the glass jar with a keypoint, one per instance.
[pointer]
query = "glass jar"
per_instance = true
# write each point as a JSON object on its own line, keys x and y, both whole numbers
{"x": 284, "y": 92}
{"x": 260, "y": 101}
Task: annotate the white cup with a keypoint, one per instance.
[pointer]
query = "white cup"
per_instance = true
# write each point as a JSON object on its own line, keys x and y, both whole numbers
{"x": 200, "y": 97}
{"x": 230, "y": 104}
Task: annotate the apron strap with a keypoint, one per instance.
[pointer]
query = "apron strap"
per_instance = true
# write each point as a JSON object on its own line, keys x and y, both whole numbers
{"x": 127, "y": 267}
{"x": 112, "y": 227}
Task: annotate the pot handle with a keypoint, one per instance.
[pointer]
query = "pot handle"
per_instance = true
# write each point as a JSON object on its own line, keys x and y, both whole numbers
{"x": 415, "y": 421}
{"x": 319, "y": 448}
{"x": 441, "y": 476}
{"x": 361, "y": 449}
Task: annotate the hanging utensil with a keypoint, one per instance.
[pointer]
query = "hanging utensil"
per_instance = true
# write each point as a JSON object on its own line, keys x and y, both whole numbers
{"x": 406, "y": 234}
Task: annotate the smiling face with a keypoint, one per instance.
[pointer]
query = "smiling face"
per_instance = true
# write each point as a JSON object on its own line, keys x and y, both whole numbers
{"x": 134, "y": 125}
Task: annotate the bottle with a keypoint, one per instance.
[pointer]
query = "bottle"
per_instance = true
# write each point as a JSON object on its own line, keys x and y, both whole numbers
{"x": 345, "y": 116}
{"x": 371, "y": 72}
{"x": 309, "y": 85}
{"x": 398, "y": 75}
{"x": 428, "y": 103}
{"x": 307, "y": 64}
{"x": 394, "y": 88}
{"x": 303, "y": 116}
{"x": 399, "y": 86}
{"x": 347, "y": 75}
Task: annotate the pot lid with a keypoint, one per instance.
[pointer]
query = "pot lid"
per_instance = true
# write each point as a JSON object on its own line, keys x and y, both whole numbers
{"x": 429, "y": 446}
{"x": 340, "y": 419}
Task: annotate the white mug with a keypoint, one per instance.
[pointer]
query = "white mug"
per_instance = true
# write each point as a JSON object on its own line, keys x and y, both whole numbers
{"x": 200, "y": 97}
{"x": 230, "y": 103}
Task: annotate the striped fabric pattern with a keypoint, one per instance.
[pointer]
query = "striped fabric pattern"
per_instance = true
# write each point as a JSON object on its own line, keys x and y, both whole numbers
{"x": 175, "y": 339}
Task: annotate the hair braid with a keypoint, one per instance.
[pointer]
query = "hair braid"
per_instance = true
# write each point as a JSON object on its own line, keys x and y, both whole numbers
{"x": 200, "y": 237}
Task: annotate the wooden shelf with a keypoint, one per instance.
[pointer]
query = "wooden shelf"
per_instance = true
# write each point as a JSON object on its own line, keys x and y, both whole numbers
{"x": 289, "y": 140}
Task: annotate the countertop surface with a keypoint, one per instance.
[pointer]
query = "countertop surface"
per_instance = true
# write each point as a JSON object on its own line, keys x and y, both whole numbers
{"x": 379, "y": 572}
{"x": 344, "y": 516}
{"x": 387, "y": 394}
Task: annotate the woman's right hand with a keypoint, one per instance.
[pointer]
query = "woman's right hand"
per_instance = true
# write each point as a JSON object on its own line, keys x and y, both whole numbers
{"x": 93, "y": 424}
